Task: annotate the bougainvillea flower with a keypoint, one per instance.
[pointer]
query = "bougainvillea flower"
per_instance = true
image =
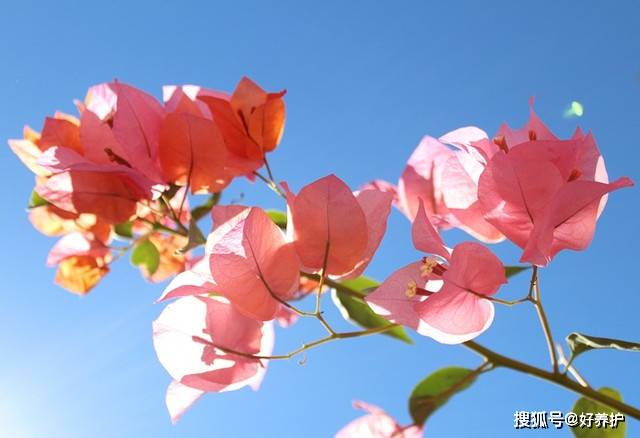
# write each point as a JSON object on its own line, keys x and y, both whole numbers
{"x": 460, "y": 184}
{"x": 192, "y": 282}
{"x": 377, "y": 424}
{"x": 136, "y": 126}
{"x": 120, "y": 124}
{"x": 198, "y": 101}
{"x": 328, "y": 223}
{"x": 102, "y": 164}
{"x": 82, "y": 261}
{"x": 193, "y": 338}
{"x": 29, "y": 153}
{"x": 53, "y": 221}
{"x": 76, "y": 243}
{"x": 252, "y": 264}
{"x": 197, "y": 281}
{"x": 421, "y": 179}
{"x": 193, "y": 153}
{"x": 251, "y": 119}
{"x": 60, "y": 130}
{"x": 446, "y": 181}
{"x": 80, "y": 274}
{"x": 101, "y": 100}
{"x": 443, "y": 296}
{"x": 112, "y": 196}
{"x": 546, "y": 195}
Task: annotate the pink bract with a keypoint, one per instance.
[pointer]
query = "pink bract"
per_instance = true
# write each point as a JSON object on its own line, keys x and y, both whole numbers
{"x": 331, "y": 225}
{"x": 377, "y": 424}
{"x": 190, "y": 337}
{"x": 545, "y": 194}
{"x": 441, "y": 297}
{"x": 252, "y": 264}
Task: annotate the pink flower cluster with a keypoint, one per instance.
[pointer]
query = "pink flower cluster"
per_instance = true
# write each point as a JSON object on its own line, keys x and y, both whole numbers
{"x": 131, "y": 160}
{"x": 112, "y": 164}
{"x": 542, "y": 193}
{"x": 251, "y": 269}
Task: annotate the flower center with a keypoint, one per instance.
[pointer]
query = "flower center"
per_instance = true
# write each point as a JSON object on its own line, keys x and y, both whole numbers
{"x": 431, "y": 265}
{"x": 412, "y": 290}
{"x": 501, "y": 142}
{"x": 574, "y": 175}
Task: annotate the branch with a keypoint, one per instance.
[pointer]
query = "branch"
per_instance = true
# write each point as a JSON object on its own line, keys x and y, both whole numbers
{"x": 559, "y": 379}
{"x": 308, "y": 346}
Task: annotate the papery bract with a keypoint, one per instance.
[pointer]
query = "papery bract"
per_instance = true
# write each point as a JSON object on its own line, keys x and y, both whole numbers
{"x": 329, "y": 223}
{"x": 112, "y": 196}
{"x": 446, "y": 181}
{"x": 377, "y": 424}
{"x": 261, "y": 113}
{"x": 190, "y": 338}
{"x": 252, "y": 264}
{"x": 216, "y": 106}
{"x": 53, "y": 221}
{"x": 136, "y": 126}
{"x": 251, "y": 120}
{"x": 57, "y": 131}
{"x": 101, "y": 100}
{"x": 60, "y": 132}
{"x": 95, "y": 165}
{"x": 82, "y": 261}
{"x": 192, "y": 282}
{"x": 80, "y": 274}
{"x": 421, "y": 179}
{"x": 442, "y": 298}
{"x": 545, "y": 195}
{"x": 192, "y": 153}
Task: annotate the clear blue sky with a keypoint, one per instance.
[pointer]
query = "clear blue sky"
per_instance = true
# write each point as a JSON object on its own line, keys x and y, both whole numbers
{"x": 366, "y": 80}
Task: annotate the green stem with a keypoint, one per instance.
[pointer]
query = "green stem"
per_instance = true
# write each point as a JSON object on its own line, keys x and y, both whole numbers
{"x": 159, "y": 226}
{"x": 308, "y": 346}
{"x": 544, "y": 322}
{"x": 318, "y": 312}
{"x": 271, "y": 184}
{"x": 559, "y": 379}
{"x": 174, "y": 216}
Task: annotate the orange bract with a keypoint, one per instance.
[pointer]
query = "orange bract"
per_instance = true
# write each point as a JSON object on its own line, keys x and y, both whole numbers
{"x": 192, "y": 153}
{"x": 79, "y": 274}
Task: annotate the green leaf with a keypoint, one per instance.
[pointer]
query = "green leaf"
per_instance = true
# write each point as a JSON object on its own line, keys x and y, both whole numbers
{"x": 203, "y": 209}
{"x": 510, "y": 271}
{"x": 580, "y": 343}
{"x": 145, "y": 253}
{"x": 124, "y": 229}
{"x": 435, "y": 390}
{"x": 36, "y": 200}
{"x": 278, "y": 217}
{"x": 195, "y": 236}
{"x": 356, "y": 311}
{"x": 585, "y": 405}
{"x": 361, "y": 284}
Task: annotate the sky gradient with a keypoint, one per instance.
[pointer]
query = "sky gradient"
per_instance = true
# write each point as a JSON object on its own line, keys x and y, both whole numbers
{"x": 365, "y": 81}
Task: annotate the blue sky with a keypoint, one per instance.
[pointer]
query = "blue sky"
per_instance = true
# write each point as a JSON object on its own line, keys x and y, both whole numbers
{"x": 365, "y": 80}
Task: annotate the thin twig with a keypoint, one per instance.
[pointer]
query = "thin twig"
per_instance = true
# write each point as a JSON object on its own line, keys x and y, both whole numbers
{"x": 271, "y": 184}
{"x": 544, "y": 322}
{"x": 331, "y": 337}
{"x": 568, "y": 368}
